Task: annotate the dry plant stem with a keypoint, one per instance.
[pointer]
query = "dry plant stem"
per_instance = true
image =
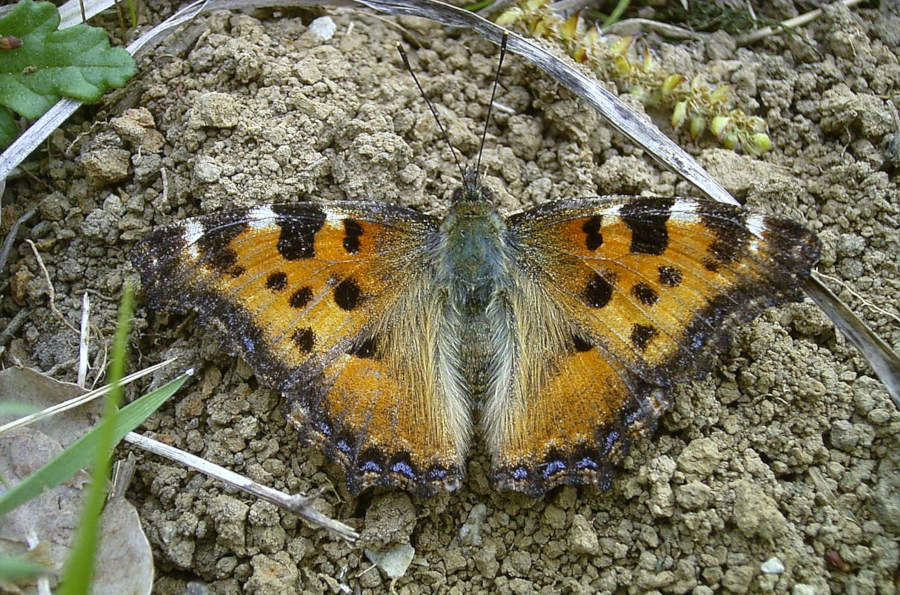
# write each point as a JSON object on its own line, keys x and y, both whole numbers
{"x": 797, "y": 21}
{"x": 299, "y": 505}
{"x": 123, "y": 472}
{"x": 880, "y": 356}
{"x": 635, "y": 26}
{"x": 13, "y": 326}
{"x": 81, "y": 399}
{"x": 84, "y": 341}
{"x": 862, "y": 299}
{"x": 32, "y": 542}
{"x": 11, "y": 237}
{"x": 50, "y": 290}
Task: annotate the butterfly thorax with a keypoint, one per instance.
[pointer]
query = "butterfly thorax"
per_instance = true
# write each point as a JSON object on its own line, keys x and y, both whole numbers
{"x": 473, "y": 255}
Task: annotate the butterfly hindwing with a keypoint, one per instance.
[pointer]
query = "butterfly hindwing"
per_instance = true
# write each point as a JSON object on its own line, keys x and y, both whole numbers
{"x": 308, "y": 294}
{"x": 635, "y": 294}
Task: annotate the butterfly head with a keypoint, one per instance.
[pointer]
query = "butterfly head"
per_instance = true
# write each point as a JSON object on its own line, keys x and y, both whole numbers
{"x": 472, "y": 190}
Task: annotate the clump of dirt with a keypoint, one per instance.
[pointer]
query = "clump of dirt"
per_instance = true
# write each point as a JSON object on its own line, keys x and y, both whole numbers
{"x": 788, "y": 450}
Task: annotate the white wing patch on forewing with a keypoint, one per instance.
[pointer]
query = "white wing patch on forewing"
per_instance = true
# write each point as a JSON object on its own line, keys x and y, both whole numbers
{"x": 756, "y": 224}
{"x": 261, "y": 217}
{"x": 193, "y": 231}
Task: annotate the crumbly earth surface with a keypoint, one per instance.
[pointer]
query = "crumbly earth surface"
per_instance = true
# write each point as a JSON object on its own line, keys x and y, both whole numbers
{"x": 788, "y": 450}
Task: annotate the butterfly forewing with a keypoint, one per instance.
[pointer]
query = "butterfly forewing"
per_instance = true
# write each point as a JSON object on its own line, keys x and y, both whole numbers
{"x": 310, "y": 296}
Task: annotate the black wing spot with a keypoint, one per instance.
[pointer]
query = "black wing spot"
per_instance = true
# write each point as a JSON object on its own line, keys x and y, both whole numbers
{"x": 670, "y": 276}
{"x": 304, "y": 339}
{"x": 727, "y": 225}
{"x": 597, "y": 292}
{"x": 642, "y": 334}
{"x": 301, "y": 297}
{"x": 364, "y": 349}
{"x": 276, "y": 281}
{"x": 352, "y": 231}
{"x": 646, "y": 218}
{"x": 347, "y": 294}
{"x": 297, "y": 238}
{"x": 593, "y": 239}
{"x": 214, "y": 243}
{"x": 645, "y": 294}
{"x": 236, "y": 271}
{"x": 223, "y": 260}
{"x": 582, "y": 344}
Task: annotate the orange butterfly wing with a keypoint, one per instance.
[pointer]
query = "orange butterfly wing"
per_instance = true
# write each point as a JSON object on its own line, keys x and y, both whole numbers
{"x": 625, "y": 297}
{"x": 310, "y": 296}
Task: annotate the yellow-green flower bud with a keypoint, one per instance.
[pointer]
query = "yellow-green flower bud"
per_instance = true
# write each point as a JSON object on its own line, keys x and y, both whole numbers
{"x": 679, "y": 113}
{"x": 718, "y": 125}
{"x": 759, "y": 143}
{"x": 672, "y": 81}
{"x": 697, "y": 126}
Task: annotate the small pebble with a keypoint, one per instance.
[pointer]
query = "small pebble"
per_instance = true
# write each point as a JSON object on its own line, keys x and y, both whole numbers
{"x": 323, "y": 28}
{"x": 393, "y": 561}
{"x": 772, "y": 566}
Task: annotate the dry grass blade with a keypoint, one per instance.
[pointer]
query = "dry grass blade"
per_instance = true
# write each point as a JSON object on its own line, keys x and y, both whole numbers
{"x": 299, "y": 505}
{"x": 80, "y": 400}
{"x": 797, "y": 21}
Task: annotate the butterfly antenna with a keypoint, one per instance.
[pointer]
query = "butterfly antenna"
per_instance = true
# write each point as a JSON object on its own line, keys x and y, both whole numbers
{"x": 487, "y": 119}
{"x": 433, "y": 111}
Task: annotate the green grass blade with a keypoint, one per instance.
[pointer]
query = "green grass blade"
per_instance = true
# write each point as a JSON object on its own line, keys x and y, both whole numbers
{"x": 15, "y": 568}
{"x": 14, "y": 409}
{"x": 80, "y": 452}
{"x": 79, "y": 568}
{"x": 616, "y": 14}
{"x": 476, "y": 6}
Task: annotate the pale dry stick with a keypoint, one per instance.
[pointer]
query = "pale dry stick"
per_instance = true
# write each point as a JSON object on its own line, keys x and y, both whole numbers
{"x": 50, "y": 290}
{"x": 788, "y": 24}
{"x": 11, "y": 237}
{"x": 667, "y": 30}
{"x": 55, "y": 368}
{"x": 32, "y": 542}
{"x": 123, "y": 472}
{"x": 297, "y": 504}
{"x": 866, "y": 303}
{"x": 81, "y": 399}
{"x": 102, "y": 365}
{"x": 165, "y": 184}
{"x": 84, "y": 340}
{"x": 13, "y": 326}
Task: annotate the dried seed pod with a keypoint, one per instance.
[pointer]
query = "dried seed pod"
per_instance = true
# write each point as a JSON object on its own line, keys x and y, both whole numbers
{"x": 834, "y": 561}
{"x": 8, "y": 42}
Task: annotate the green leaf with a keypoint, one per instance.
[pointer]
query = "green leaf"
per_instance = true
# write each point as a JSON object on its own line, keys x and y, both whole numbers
{"x": 12, "y": 569}
{"x": 8, "y": 128}
{"x": 76, "y": 62}
{"x": 81, "y": 452}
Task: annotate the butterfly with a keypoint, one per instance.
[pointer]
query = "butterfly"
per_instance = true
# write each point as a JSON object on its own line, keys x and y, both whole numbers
{"x": 561, "y": 330}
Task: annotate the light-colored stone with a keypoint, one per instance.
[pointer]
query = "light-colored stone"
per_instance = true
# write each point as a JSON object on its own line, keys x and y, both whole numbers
{"x": 772, "y": 566}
